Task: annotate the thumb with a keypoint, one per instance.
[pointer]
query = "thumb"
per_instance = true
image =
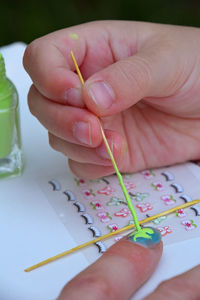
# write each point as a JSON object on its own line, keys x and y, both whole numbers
{"x": 119, "y": 272}
{"x": 127, "y": 81}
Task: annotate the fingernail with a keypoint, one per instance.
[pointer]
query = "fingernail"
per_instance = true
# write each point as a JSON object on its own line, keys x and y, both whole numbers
{"x": 102, "y": 151}
{"x": 148, "y": 237}
{"x": 101, "y": 93}
{"x": 73, "y": 96}
{"x": 82, "y": 132}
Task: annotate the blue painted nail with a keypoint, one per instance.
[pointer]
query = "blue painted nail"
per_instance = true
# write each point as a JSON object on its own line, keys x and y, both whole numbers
{"x": 147, "y": 237}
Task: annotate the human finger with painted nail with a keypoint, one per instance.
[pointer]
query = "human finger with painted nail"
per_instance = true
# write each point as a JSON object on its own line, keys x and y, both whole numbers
{"x": 121, "y": 270}
{"x": 124, "y": 268}
{"x": 141, "y": 82}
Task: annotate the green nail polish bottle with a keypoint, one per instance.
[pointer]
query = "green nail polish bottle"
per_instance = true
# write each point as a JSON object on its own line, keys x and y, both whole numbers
{"x": 11, "y": 160}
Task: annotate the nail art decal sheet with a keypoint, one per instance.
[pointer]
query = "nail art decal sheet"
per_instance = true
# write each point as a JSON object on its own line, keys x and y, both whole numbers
{"x": 91, "y": 208}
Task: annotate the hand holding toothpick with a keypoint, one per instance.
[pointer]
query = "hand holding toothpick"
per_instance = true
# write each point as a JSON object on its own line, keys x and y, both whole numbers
{"x": 144, "y": 234}
{"x": 125, "y": 192}
{"x": 157, "y": 70}
{"x": 136, "y": 222}
{"x": 145, "y": 113}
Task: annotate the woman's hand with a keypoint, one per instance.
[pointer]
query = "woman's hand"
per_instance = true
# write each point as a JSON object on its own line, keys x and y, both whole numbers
{"x": 142, "y": 80}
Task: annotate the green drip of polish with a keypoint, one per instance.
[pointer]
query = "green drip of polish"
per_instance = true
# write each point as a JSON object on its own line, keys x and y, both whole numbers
{"x": 123, "y": 187}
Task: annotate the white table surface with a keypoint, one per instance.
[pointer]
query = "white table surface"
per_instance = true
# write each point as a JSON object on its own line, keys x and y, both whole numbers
{"x": 30, "y": 229}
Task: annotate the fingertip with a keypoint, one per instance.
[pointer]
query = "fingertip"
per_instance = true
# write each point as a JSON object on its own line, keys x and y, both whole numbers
{"x": 148, "y": 237}
{"x": 86, "y": 128}
{"x": 89, "y": 171}
{"x": 95, "y": 131}
{"x": 120, "y": 271}
{"x": 117, "y": 145}
{"x": 63, "y": 86}
{"x": 138, "y": 254}
{"x": 52, "y": 74}
{"x": 99, "y": 96}
{"x": 139, "y": 261}
{"x": 73, "y": 97}
{"x": 32, "y": 94}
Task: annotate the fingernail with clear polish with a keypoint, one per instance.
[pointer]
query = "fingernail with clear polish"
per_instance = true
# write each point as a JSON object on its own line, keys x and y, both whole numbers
{"x": 101, "y": 93}
{"x": 82, "y": 132}
{"x": 73, "y": 96}
{"x": 148, "y": 237}
{"x": 102, "y": 151}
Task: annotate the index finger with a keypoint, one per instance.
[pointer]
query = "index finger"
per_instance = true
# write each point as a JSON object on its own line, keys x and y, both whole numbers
{"x": 47, "y": 61}
{"x": 96, "y": 45}
{"x": 49, "y": 64}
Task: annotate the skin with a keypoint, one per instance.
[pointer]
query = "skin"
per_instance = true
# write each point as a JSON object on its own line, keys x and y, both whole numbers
{"x": 151, "y": 74}
{"x": 119, "y": 273}
{"x": 116, "y": 275}
{"x": 153, "y": 71}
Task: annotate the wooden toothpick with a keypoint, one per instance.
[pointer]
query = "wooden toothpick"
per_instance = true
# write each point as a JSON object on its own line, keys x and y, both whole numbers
{"x": 106, "y": 236}
{"x": 120, "y": 178}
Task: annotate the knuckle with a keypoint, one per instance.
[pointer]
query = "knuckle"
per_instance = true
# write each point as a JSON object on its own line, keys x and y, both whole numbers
{"x": 81, "y": 169}
{"x": 30, "y": 99}
{"x": 52, "y": 141}
{"x": 136, "y": 72}
{"x": 30, "y": 53}
{"x": 96, "y": 285}
{"x": 34, "y": 56}
{"x": 166, "y": 287}
{"x": 123, "y": 69}
{"x": 141, "y": 73}
{"x": 176, "y": 288}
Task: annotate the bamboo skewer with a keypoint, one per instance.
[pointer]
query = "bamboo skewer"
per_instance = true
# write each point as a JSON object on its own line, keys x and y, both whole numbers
{"x": 120, "y": 178}
{"x": 106, "y": 236}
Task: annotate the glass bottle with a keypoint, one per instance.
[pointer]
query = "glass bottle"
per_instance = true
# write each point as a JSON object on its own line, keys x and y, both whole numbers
{"x": 11, "y": 158}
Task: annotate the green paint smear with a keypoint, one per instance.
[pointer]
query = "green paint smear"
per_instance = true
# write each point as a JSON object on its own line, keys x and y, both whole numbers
{"x": 73, "y": 36}
{"x": 120, "y": 178}
{"x": 143, "y": 233}
{"x": 125, "y": 192}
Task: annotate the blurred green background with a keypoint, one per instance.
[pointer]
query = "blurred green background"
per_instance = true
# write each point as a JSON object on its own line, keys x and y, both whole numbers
{"x": 25, "y": 20}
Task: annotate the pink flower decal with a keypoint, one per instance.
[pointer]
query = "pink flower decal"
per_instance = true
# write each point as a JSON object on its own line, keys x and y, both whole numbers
{"x": 79, "y": 181}
{"x": 129, "y": 185}
{"x": 104, "y": 217}
{"x": 106, "y": 191}
{"x": 113, "y": 227}
{"x": 143, "y": 207}
{"x": 89, "y": 193}
{"x": 157, "y": 186}
{"x": 96, "y": 205}
{"x": 148, "y": 174}
{"x": 189, "y": 225}
{"x": 180, "y": 213}
{"x": 168, "y": 199}
{"x": 124, "y": 212}
{"x": 164, "y": 230}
